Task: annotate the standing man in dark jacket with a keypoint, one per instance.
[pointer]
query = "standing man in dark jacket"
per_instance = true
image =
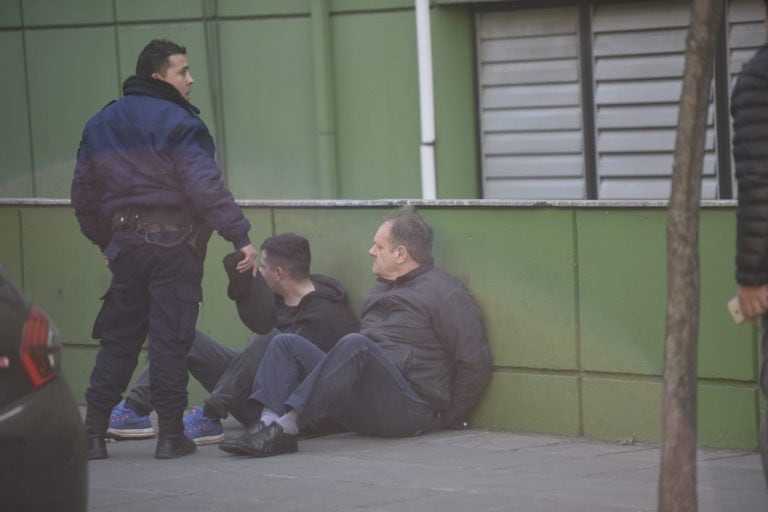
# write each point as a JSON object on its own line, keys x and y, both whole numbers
{"x": 420, "y": 361}
{"x": 148, "y": 192}
{"x": 281, "y": 297}
{"x": 749, "y": 108}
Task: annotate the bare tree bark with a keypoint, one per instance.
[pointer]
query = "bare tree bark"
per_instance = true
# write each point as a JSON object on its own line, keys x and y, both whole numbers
{"x": 677, "y": 479}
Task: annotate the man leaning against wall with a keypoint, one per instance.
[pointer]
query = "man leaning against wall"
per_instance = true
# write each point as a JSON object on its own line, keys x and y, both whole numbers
{"x": 749, "y": 108}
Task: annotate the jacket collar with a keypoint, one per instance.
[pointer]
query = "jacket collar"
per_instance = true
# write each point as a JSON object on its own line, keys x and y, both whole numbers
{"x": 146, "y": 86}
{"x": 410, "y": 275}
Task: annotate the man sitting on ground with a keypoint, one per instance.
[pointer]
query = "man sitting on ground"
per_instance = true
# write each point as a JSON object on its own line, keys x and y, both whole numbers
{"x": 281, "y": 297}
{"x": 420, "y": 361}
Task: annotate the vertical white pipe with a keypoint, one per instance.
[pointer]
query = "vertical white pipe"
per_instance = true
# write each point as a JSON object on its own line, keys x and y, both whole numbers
{"x": 426, "y": 100}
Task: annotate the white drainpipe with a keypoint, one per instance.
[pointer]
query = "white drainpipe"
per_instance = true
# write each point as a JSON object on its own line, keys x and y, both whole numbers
{"x": 426, "y": 100}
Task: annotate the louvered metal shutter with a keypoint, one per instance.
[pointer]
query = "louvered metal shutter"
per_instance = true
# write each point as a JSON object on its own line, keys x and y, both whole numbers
{"x": 530, "y": 104}
{"x": 639, "y": 54}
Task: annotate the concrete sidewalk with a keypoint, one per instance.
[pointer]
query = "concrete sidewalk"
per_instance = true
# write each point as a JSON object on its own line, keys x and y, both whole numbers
{"x": 447, "y": 471}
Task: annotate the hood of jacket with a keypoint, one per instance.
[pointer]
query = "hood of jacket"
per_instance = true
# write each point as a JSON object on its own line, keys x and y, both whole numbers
{"x": 145, "y": 86}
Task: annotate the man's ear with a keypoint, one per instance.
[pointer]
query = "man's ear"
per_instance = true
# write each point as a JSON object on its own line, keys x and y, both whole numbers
{"x": 401, "y": 255}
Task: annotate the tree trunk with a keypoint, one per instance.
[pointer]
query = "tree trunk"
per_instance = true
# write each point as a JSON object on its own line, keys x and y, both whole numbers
{"x": 677, "y": 479}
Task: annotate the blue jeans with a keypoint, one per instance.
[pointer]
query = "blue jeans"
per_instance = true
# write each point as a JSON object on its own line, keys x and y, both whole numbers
{"x": 355, "y": 384}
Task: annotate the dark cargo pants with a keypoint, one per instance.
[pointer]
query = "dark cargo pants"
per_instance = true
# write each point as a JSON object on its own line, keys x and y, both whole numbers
{"x": 154, "y": 290}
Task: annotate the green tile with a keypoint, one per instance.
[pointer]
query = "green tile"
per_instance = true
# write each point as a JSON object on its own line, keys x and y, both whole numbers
{"x": 530, "y": 403}
{"x": 10, "y": 248}
{"x": 453, "y": 53}
{"x": 10, "y": 14}
{"x": 152, "y": 10}
{"x": 519, "y": 265}
{"x": 725, "y": 349}
{"x": 620, "y": 410}
{"x": 263, "y": 7}
{"x": 340, "y": 240}
{"x": 16, "y": 161}
{"x": 133, "y": 38}
{"x": 269, "y": 108}
{"x": 64, "y": 92}
{"x": 377, "y": 104}
{"x": 56, "y": 12}
{"x": 64, "y": 273}
{"x": 218, "y": 314}
{"x": 622, "y": 289}
{"x": 727, "y": 417}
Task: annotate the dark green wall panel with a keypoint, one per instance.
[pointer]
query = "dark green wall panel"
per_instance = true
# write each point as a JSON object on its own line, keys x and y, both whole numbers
{"x": 622, "y": 289}
{"x": 377, "y": 105}
{"x": 57, "y": 12}
{"x": 140, "y": 10}
{"x": 530, "y": 403}
{"x": 268, "y": 108}
{"x": 519, "y": 265}
{"x": 725, "y": 349}
{"x": 455, "y": 104}
{"x": 72, "y": 74}
{"x": 133, "y": 38}
{"x": 10, "y": 14}
{"x": 620, "y": 410}
{"x": 357, "y": 5}
{"x": 10, "y": 241}
{"x": 718, "y": 406}
{"x": 263, "y": 7}
{"x": 16, "y": 160}
{"x": 64, "y": 273}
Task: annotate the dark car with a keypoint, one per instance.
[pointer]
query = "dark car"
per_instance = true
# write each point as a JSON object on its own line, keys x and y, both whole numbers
{"x": 43, "y": 463}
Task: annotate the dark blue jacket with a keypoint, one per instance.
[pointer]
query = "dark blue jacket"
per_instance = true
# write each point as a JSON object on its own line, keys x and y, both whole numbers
{"x": 151, "y": 149}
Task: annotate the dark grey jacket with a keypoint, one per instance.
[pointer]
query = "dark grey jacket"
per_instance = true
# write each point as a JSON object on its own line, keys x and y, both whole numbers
{"x": 432, "y": 329}
{"x": 749, "y": 108}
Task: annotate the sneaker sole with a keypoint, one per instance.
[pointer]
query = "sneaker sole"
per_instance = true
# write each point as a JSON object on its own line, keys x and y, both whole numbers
{"x": 134, "y": 433}
{"x": 201, "y": 441}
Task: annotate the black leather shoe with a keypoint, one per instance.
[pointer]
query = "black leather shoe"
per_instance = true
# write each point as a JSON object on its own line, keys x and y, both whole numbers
{"x": 231, "y": 444}
{"x": 96, "y": 448}
{"x": 174, "y": 446}
{"x": 268, "y": 442}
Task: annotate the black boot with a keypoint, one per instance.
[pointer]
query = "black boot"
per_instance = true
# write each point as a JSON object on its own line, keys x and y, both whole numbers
{"x": 96, "y": 423}
{"x": 96, "y": 447}
{"x": 174, "y": 446}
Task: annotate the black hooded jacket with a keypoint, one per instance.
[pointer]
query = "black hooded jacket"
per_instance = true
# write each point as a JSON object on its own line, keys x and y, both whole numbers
{"x": 322, "y": 316}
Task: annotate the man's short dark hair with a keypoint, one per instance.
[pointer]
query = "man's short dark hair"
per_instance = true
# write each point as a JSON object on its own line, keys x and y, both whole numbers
{"x": 289, "y": 251}
{"x": 154, "y": 57}
{"x": 412, "y": 232}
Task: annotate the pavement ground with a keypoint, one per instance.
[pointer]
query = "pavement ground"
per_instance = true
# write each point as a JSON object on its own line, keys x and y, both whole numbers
{"x": 473, "y": 470}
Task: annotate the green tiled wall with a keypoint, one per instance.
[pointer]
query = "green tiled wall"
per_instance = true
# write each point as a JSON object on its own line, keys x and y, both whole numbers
{"x": 16, "y": 162}
{"x": 255, "y": 71}
{"x": 268, "y": 109}
{"x": 83, "y": 64}
{"x": 574, "y": 306}
{"x": 531, "y": 403}
{"x": 378, "y": 106}
{"x": 621, "y": 291}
